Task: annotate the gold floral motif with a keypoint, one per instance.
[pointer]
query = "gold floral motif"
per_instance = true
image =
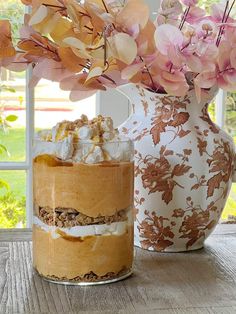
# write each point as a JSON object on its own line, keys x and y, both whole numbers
{"x": 169, "y": 118}
{"x": 141, "y": 134}
{"x": 145, "y": 106}
{"x": 157, "y": 234}
{"x": 196, "y": 222}
{"x": 205, "y": 117}
{"x": 158, "y": 174}
{"x": 138, "y": 201}
{"x": 200, "y": 181}
{"x": 220, "y": 163}
{"x": 125, "y": 131}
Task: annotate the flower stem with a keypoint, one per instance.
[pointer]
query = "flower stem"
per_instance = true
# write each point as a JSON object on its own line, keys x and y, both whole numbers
{"x": 105, "y": 49}
{"x": 186, "y": 12}
{"x": 224, "y": 20}
{"x": 108, "y": 78}
{"x": 231, "y": 7}
{"x": 149, "y": 74}
{"x": 104, "y": 4}
{"x": 54, "y": 6}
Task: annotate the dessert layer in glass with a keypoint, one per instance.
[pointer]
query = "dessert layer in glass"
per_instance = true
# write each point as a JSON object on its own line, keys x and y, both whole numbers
{"x": 83, "y": 202}
{"x": 96, "y": 189}
{"x": 73, "y": 258}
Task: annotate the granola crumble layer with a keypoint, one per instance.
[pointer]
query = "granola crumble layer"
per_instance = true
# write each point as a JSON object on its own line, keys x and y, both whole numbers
{"x": 69, "y": 217}
{"x": 94, "y": 190}
{"x": 90, "y": 277}
{"x": 71, "y": 257}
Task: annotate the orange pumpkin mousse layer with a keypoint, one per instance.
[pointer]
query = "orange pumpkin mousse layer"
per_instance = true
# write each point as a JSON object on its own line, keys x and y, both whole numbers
{"x": 89, "y": 258}
{"x": 99, "y": 189}
{"x": 83, "y": 202}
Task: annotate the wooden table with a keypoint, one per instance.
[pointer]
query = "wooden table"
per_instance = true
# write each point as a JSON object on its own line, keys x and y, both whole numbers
{"x": 195, "y": 282}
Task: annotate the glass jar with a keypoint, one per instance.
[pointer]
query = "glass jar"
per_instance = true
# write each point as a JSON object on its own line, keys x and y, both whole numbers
{"x": 83, "y": 213}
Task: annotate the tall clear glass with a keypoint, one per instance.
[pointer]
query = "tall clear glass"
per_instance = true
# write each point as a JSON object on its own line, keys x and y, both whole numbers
{"x": 83, "y": 217}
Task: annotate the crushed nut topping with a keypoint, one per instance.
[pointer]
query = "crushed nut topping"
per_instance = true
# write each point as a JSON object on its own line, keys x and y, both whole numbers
{"x": 92, "y": 277}
{"x": 69, "y": 217}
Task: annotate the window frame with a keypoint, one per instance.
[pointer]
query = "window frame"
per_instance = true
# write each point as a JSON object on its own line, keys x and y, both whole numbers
{"x": 30, "y": 129}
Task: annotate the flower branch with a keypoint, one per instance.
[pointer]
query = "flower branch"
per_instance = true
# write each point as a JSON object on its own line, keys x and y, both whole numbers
{"x": 93, "y": 45}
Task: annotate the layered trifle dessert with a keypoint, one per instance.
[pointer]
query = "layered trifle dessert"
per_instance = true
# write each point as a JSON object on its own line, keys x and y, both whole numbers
{"x": 83, "y": 202}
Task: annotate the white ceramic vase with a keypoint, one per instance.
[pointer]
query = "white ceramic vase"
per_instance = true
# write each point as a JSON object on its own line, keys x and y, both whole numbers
{"x": 184, "y": 166}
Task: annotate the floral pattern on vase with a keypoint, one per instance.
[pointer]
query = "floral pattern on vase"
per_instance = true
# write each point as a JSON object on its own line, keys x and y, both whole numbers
{"x": 184, "y": 166}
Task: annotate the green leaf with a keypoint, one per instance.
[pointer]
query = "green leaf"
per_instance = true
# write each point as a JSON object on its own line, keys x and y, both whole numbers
{"x": 3, "y": 149}
{"x": 10, "y": 89}
{"x": 7, "y": 89}
{"x": 12, "y": 210}
{"x": 4, "y": 185}
{"x": 11, "y": 118}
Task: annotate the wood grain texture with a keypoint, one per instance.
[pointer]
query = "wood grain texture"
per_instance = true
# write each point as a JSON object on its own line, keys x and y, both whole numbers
{"x": 196, "y": 282}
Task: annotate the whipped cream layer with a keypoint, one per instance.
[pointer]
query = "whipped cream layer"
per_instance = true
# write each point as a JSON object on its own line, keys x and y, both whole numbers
{"x": 85, "y": 141}
{"x": 115, "y": 228}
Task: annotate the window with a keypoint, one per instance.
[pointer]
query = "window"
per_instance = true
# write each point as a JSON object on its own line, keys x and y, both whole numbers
{"x": 26, "y": 110}
{"x": 14, "y": 168}
{"x": 225, "y": 118}
{"x": 45, "y": 106}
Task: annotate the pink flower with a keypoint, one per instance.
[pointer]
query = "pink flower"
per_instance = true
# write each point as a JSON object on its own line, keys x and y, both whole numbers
{"x": 224, "y": 73}
{"x": 217, "y": 12}
{"x": 195, "y": 14}
{"x": 230, "y": 35}
{"x": 16, "y": 63}
{"x": 103, "y": 44}
{"x": 168, "y": 37}
{"x": 206, "y": 29}
{"x": 200, "y": 56}
{"x": 169, "y": 12}
{"x": 190, "y": 3}
{"x": 170, "y": 7}
{"x": 174, "y": 83}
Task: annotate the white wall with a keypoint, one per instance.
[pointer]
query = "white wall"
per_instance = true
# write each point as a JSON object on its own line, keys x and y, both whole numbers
{"x": 112, "y": 103}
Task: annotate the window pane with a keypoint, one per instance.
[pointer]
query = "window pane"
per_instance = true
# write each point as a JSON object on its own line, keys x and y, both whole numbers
{"x": 212, "y": 111}
{"x": 12, "y": 199}
{"x": 206, "y": 4}
{"x": 12, "y": 94}
{"x": 230, "y": 209}
{"x": 14, "y": 141}
{"x": 52, "y": 105}
{"x": 230, "y": 127}
{"x": 230, "y": 117}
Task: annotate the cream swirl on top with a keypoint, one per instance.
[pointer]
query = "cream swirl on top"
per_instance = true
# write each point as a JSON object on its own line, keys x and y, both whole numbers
{"x": 87, "y": 141}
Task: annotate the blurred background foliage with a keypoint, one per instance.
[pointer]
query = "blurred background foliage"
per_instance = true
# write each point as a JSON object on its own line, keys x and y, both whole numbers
{"x": 12, "y": 205}
{"x": 12, "y": 10}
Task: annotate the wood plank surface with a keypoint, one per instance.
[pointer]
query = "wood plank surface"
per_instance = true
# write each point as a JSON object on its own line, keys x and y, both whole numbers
{"x": 196, "y": 282}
